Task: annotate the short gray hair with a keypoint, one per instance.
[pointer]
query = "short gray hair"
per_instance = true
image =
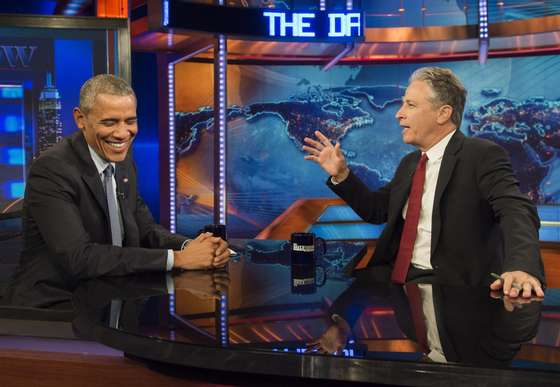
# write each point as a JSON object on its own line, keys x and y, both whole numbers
{"x": 447, "y": 88}
{"x": 102, "y": 84}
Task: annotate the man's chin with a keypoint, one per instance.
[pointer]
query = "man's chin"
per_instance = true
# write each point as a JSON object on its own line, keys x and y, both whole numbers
{"x": 406, "y": 139}
{"x": 114, "y": 157}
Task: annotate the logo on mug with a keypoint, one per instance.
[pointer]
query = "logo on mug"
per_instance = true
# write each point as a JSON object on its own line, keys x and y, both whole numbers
{"x": 304, "y": 281}
{"x": 303, "y": 248}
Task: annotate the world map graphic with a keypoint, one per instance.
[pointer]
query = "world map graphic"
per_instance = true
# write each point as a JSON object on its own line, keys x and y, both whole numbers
{"x": 265, "y": 140}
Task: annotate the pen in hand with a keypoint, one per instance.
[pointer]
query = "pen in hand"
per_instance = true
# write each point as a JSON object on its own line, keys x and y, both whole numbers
{"x": 496, "y": 276}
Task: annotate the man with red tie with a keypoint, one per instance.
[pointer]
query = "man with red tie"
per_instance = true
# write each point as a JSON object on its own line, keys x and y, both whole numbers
{"x": 453, "y": 209}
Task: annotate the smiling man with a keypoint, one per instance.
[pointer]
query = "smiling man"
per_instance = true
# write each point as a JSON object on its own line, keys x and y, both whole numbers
{"x": 453, "y": 210}
{"x": 83, "y": 216}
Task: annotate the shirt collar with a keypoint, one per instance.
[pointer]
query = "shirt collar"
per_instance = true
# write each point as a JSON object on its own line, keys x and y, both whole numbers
{"x": 436, "y": 152}
{"x": 100, "y": 164}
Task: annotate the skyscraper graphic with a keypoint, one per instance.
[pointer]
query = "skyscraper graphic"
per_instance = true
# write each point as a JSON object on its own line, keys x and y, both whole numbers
{"x": 49, "y": 120}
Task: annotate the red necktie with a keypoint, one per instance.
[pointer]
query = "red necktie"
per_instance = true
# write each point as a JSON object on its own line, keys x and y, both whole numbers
{"x": 410, "y": 229}
{"x": 416, "y": 310}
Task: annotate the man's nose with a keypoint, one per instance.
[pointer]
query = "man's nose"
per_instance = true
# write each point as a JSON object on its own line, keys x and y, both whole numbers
{"x": 121, "y": 131}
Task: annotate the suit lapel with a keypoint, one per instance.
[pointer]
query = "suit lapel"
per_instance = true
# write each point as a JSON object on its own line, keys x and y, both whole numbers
{"x": 445, "y": 172}
{"x": 90, "y": 176}
{"x": 402, "y": 190}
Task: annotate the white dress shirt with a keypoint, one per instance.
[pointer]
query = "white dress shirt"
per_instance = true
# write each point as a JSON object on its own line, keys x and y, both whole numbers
{"x": 101, "y": 165}
{"x": 432, "y": 332}
{"x": 422, "y": 246}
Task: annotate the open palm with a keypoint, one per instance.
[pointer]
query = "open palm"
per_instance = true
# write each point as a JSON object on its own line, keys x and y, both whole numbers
{"x": 324, "y": 153}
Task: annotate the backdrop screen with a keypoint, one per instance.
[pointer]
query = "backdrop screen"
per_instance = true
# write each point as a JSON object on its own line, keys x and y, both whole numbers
{"x": 41, "y": 71}
{"x": 512, "y": 101}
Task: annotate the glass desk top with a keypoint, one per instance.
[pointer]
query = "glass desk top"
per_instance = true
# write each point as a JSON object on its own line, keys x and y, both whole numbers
{"x": 360, "y": 327}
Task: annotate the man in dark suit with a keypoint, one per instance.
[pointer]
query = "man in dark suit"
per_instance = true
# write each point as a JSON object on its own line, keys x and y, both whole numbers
{"x": 83, "y": 216}
{"x": 469, "y": 218}
{"x": 448, "y": 323}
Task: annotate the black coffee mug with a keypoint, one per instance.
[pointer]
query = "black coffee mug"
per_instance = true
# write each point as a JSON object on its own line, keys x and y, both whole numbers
{"x": 305, "y": 249}
{"x": 218, "y": 230}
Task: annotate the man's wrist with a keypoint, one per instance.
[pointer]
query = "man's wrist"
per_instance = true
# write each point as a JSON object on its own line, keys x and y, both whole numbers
{"x": 185, "y": 243}
{"x": 339, "y": 178}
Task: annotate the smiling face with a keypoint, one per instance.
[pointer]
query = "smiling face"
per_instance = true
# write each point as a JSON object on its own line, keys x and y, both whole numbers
{"x": 423, "y": 123}
{"x": 110, "y": 126}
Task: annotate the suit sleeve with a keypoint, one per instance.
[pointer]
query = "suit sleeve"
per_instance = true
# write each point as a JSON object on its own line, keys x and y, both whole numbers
{"x": 515, "y": 213}
{"x": 52, "y": 199}
{"x": 152, "y": 234}
{"x": 371, "y": 206}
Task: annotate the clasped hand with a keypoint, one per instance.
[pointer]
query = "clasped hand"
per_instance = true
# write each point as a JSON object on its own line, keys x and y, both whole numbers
{"x": 333, "y": 340}
{"x": 204, "y": 252}
{"x": 203, "y": 284}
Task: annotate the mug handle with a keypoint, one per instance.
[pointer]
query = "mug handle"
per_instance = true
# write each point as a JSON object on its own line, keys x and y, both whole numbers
{"x": 323, "y": 276}
{"x": 323, "y": 243}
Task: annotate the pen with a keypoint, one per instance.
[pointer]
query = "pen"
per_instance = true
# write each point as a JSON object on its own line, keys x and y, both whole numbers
{"x": 496, "y": 276}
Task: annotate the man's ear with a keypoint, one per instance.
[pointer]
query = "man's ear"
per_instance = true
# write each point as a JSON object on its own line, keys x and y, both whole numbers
{"x": 444, "y": 114}
{"x": 79, "y": 118}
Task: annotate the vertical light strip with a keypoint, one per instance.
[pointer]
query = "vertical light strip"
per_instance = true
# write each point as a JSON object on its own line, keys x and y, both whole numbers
{"x": 171, "y": 126}
{"x": 165, "y": 12}
{"x": 223, "y": 315}
{"x": 322, "y": 5}
{"x": 222, "y": 111}
{"x": 349, "y": 5}
{"x": 483, "y": 40}
{"x": 172, "y": 177}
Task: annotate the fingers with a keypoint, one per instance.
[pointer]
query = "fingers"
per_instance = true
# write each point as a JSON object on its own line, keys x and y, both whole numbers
{"x": 324, "y": 140}
{"x": 537, "y": 288}
{"x": 337, "y": 150}
{"x": 311, "y": 151}
{"x": 518, "y": 283}
{"x": 202, "y": 236}
{"x": 314, "y": 144}
{"x": 496, "y": 285}
{"x": 222, "y": 247}
{"x": 508, "y": 281}
{"x": 221, "y": 260}
{"x": 527, "y": 290}
{"x": 508, "y": 305}
{"x": 220, "y": 282}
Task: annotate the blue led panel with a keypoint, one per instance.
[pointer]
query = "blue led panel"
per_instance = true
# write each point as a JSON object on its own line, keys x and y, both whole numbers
{"x": 347, "y": 231}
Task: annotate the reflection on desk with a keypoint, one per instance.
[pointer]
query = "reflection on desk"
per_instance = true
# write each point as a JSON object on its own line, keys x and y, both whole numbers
{"x": 246, "y": 319}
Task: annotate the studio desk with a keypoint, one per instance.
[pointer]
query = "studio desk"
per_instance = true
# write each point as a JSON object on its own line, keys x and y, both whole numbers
{"x": 247, "y": 325}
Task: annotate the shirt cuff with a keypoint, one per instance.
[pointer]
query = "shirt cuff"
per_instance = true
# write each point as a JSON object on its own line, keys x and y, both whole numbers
{"x": 170, "y": 260}
{"x": 170, "y": 284}
{"x": 334, "y": 182}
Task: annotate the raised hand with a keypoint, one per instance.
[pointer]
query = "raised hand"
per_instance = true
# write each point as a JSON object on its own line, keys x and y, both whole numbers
{"x": 328, "y": 156}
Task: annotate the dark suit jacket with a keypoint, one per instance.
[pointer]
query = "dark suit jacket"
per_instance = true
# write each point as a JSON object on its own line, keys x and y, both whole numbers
{"x": 473, "y": 328}
{"x": 66, "y": 226}
{"x": 481, "y": 222}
